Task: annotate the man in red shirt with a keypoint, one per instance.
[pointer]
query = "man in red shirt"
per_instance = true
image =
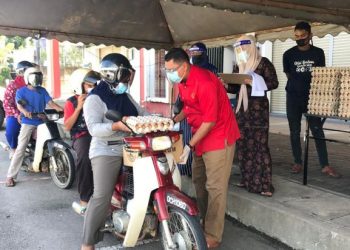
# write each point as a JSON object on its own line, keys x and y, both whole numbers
{"x": 215, "y": 131}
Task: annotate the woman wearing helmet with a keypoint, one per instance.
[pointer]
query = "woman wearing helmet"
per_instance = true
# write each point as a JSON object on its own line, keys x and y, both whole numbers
{"x": 13, "y": 125}
{"x": 35, "y": 98}
{"x": 82, "y": 82}
{"x": 109, "y": 94}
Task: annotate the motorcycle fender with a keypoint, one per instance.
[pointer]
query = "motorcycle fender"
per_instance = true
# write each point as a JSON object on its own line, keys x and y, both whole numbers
{"x": 43, "y": 135}
{"x": 56, "y": 144}
{"x": 145, "y": 181}
{"x": 172, "y": 196}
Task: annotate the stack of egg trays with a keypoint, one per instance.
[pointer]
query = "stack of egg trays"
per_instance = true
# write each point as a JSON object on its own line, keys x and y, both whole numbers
{"x": 325, "y": 91}
{"x": 344, "y": 98}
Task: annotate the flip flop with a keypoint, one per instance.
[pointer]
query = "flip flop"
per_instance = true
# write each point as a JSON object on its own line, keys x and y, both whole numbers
{"x": 266, "y": 194}
{"x": 240, "y": 185}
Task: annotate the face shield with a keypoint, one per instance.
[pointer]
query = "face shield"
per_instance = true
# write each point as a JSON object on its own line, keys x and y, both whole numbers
{"x": 241, "y": 54}
{"x": 35, "y": 79}
{"x": 116, "y": 75}
{"x": 197, "y": 55}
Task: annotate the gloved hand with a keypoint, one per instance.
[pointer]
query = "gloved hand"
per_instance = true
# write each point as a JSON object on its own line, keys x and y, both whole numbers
{"x": 185, "y": 153}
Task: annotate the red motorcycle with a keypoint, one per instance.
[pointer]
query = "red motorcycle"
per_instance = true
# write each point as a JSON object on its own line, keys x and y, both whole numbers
{"x": 147, "y": 197}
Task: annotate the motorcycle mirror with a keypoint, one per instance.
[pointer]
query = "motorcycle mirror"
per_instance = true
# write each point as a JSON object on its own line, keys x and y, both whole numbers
{"x": 113, "y": 115}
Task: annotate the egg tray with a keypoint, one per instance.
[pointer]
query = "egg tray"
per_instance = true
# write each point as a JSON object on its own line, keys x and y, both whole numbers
{"x": 330, "y": 92}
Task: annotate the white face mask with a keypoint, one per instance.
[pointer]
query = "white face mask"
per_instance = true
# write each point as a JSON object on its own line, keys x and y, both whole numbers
{"x": 89, "y": 90}
{"x": 242, "y": 57}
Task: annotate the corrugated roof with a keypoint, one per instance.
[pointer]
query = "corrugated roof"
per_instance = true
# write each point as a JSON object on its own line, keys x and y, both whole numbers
{"x": 165, "y": 23}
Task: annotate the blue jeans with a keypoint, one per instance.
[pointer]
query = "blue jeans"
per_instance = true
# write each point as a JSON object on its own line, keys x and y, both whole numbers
{"x": 296, "y": 106}
{"x": 12, "y": 131}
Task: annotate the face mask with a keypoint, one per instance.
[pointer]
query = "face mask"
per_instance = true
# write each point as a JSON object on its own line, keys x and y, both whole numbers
{"x": 121, "y": 88}
{"x": 196, "y": 60}
{"x": 242, "y": 57}
{"x": 173, "y": 77}
{"x": 301, "y": 42}
{"x": 89, "y": 90}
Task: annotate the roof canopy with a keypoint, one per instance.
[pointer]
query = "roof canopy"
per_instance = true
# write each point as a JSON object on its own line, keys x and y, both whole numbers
{"x": 165, "y": 23}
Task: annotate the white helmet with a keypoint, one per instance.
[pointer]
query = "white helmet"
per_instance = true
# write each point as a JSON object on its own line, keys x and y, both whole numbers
{"x": 81, "y": 76}
{"x": 33, "y": 76}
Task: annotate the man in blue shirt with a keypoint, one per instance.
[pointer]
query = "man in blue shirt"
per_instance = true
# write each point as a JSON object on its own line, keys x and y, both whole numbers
{"x": 35, "y": 98}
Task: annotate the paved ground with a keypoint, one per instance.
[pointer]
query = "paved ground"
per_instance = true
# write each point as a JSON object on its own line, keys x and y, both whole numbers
{"x": 338, "y": 154}
{"x": 37, "y": 215}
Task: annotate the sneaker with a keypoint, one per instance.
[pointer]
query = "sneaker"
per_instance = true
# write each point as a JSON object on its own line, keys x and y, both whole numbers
{"x": 79, "y": 209}
{"x": 330, "y": 172}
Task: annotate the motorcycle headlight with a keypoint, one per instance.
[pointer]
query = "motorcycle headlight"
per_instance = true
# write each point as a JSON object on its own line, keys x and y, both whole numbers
{"x": 161, "y": 143}
{"x": 163, "y": 165}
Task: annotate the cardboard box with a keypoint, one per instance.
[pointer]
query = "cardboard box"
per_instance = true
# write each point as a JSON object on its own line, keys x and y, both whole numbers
{"x": 234, "y": 78}
{"x": 130, "y": 155}
{"x": 177, "y": 149}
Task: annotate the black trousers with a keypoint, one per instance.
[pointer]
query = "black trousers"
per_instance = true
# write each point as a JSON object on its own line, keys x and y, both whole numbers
{"x": 295, "y": 108}
{"x": 81, "y": 146}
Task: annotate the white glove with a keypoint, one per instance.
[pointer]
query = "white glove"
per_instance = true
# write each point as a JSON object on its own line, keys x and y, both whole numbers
{"x": 184, "y": 156}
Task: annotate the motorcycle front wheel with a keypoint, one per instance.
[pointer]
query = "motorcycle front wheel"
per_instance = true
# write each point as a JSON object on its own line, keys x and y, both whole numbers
{"x": 185, "y": 231}
{"x": 62, "y": 168}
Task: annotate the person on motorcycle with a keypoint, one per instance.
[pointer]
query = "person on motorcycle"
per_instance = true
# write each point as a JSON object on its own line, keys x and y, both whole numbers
{"x": 12, "y": 113}
{"x": 82, "y": 82}
{"x": 110, "y": 94}
{"x": 32, "y": 98}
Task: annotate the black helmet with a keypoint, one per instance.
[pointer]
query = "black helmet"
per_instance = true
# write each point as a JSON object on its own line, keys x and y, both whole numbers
{"x": 22, "y": 66}
{"x": 115, "y": 68}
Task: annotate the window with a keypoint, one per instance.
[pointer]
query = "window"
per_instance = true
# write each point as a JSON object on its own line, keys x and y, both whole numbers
{"x": 157, "y": 87}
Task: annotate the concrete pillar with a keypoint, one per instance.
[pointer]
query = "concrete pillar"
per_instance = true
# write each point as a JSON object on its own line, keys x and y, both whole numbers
{"x": 53, "y": 68}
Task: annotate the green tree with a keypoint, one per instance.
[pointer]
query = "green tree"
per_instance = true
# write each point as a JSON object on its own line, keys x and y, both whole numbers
{"x": 17, "y": 41}
{"x": 4, "y": 74}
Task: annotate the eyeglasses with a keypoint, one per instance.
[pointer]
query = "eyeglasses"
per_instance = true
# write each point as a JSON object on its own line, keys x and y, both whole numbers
{"x": 172, "y": 70}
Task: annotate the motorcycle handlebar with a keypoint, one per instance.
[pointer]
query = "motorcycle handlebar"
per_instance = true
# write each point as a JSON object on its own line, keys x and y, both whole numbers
{"x": 38, "y": 115}
{"x": 46, "y": 114}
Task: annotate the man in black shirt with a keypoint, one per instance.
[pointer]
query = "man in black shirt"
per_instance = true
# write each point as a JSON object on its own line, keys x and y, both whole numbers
{"x": 297, "y": 64}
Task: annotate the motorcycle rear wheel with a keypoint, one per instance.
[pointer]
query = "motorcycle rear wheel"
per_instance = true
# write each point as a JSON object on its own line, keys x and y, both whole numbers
{"x": 63, "y": 176}
{"x": 185, "y": 231}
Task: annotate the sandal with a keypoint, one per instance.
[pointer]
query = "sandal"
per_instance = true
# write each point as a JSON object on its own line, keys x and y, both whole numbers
{"x": 296, "y": 169}
{"x": 266, "y": 194}
{"x": 79, "y": 209}
{"x": 10, "y": 182}
{"x": 330, "y": 172}
{"x": 240, "y": 185}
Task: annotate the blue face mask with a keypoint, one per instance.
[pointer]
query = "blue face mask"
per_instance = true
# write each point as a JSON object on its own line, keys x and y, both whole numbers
{"x": 121, "y": 88}
{"x": 173, "y": 77}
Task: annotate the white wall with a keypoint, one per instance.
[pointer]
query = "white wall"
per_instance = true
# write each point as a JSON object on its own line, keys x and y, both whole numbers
{"x": 229, "y": 59}
{"x": 135, "y": 87}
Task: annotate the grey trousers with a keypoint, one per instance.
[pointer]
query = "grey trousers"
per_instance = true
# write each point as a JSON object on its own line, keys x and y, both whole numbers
{"x": 105, "y": 172}
{"x": 17, "y": 159}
